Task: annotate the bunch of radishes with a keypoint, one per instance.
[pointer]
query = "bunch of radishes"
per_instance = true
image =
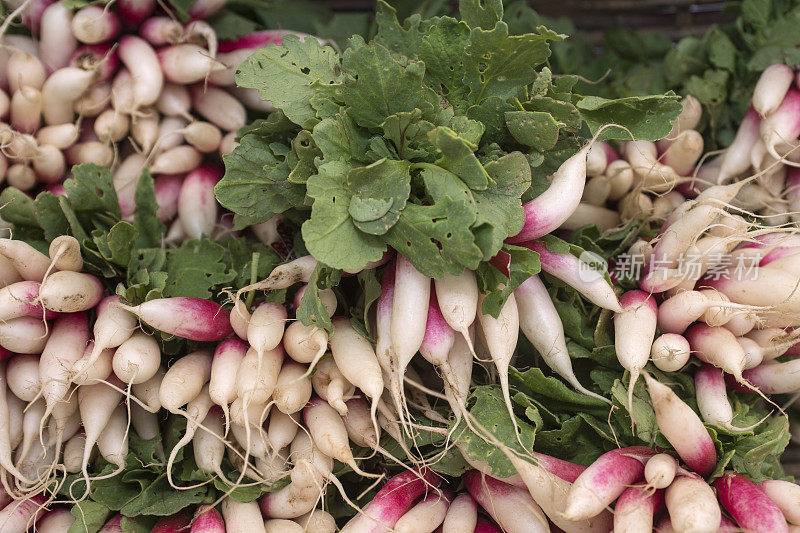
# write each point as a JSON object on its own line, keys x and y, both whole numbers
{"x": 163, "y": 97}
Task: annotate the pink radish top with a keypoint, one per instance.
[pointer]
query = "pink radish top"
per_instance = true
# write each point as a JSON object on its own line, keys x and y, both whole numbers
{"x": 439, "y": 336}
{"x": 21, "y": 295}
{"x": 190, "y": 318}
{"x": 171, "y": 524}
{"x": 134, "y": 12}
{"x": 207, "y": 520}
{"x": 638, "y": 495}
{"x": 616, "y": 469}
{"x": 484, "y": 526}
{"x": 611, "y": 154}
{"x": 636, "y": 298}
{"x": 399, "y": 495}
{"x": 168, "y": 188}
{"x": 257, "y": 39}
{"x": 749, "y": 505}
{"x": 232, "y": 344}
{"x": 558, "y": 467}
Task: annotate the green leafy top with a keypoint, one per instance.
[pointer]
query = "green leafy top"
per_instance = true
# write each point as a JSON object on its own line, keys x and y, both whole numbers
{"x": 424, "y": 139}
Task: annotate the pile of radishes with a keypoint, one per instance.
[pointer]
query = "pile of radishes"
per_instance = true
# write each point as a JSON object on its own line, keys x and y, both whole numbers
{"x": 164, "y": 97}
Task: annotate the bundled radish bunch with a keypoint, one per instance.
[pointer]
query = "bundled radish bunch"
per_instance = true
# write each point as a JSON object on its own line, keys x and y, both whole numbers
{"x": 162, "y": 98}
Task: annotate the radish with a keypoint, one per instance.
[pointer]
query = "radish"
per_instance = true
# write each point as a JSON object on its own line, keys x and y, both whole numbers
{"x": 55, "y": 521}
{"x": 96, "y": 404}
{"x": 64, "y": 347}
{"x": 174, "y": 101}
{"x": 209, "y": 445}
{"x": 73, "y": 453}
{"x": 57, "y": 41}
{"x": 511, "y": 507}
{"x": 113, "y": 326}
{"x": 326, "y": 296}
{"x": 712, "y": 399}
{"x": 283, "y": 428}
{"x": 586, "y": 214}
{"x": 660, "y": 470}
{"x": 102, "y": 58}
{"x": 114, "y": 525}
{"x": 636, "y": 508}
{"x": 172, "y": 524}
{"x": 21, "y": 299}
{"x": 652, "y": 174}
{"x": 70, "y": 292}
{"x": 228, "y": 356}
{"x": 784, "y": 494}
{"x": 550, "y": 209}
{"x": 736, "y": 159}
{"x": 676, "y": 313}
{"x": 691, "y": 112}
{"x": 187, "y": 63}
{"x": 113, "y": 440}
{"x": 143, "y": 64}
{"x": 285, "y": 275}
{"x": 282, "y": 526}
{"x": 501, "y": 335}
{"x": 426, "y": 515}
{"x": 771, "y": 88}
{"x": 148, "y": 392}
{"x": 26, "y": 109}
{"x": 357, "y": 362}
{"x": 176, "y": 160}
{"x": 329, "y": 433}
{"x": 717, "y": 346}
{"x": 7, "y": 424}
{"x": 18, "y": 515}
{"x": 392, "y": 501}
{"x": 670, "y": 351}
{"x": 137, "y": 359}
{"x": 196, "y": 412}
{"x": 94, "y": 24}
{"x": 462, "y": 515}
{"x": 22, "y": 374}
{"x": 197, "y": 205}
{"x": 111, "y": 126}
{"x": 604, "y": 481}
{"x": 242, "y": 517}
{"x": 191, "y": 318}
{"x": 207, "y": 520}
{"x": 25, "y": 335}
{"x": 167, "y": 189}
{"x": 578, "y": 275}
{"x": 266, "y": 326}
{"x": 317, "y": 521}
{"x": 219, "y": 107}
{"x": 161, "y": 30}
{"x": 305, "y": 344}
{"x": 457, "y": 374}
{"x": 61, "y": 90}
{"x": 684, "y": 151}
{"x": 408, "y": 319}
{"x": 752, "y": 509}
{"x": 15, "y": 416}
{"x": 331, "y": 386}
{"x": 29, "y": 262}
{"x": 383, "y": 321}
{"x": 682, "y": 428}
{"x": 184, "y": 380}
{"x": 542, "y": 326}
{"x": 634, "y": 332}
{"x": 257, "y": 375}
{"x": 692, "y": 505}
{"x": 620, "y": 179}
{"x": 781, "y": 127}
{"x": 95, "y": 152}
{"x": 458, "y": 300}
{"x": 31, "y": 422}
{"x": 126, "y": 179}
{"x": 144, "y": 128}
{"x": 267, "y": 232}
{"x": 293, "y": 388}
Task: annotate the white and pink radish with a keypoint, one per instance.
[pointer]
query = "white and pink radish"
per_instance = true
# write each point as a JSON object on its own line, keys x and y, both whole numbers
{"x": 692, "y": 505}
{"x": 511, "y": 507}
{"x": 190, "y": 318}
{"x": 184, "y": 380}
{"x": 636, "y": 508}
{"x": 750, "y": 506}
{"x": 550, "y": 209}
{"x": 712, "y": 399}
{"x": 634, "y": 332}
{"x": 681, "y": 426}
{"x": 393, "y": 501}
{"x": 786, "y": 495}
{"x": 604, "y": 481}
{"x": 670, "y": 351}
{"x": 425, "y": 516}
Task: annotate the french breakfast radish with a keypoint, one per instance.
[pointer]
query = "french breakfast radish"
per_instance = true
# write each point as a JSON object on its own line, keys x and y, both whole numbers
{"x": 786, "y": 495}
{"x": 190, "y": 318}
{"x": 636, "y": 508}
{"x": 682, "y": 428}
{"x": 184, "y": 380}
{"x": 70, "y": 292}
{"x": 752, "y": 509}
{"x": 692, "y": 505}
{"x": 634, "y": 332}
{"x": 511, "y": 507}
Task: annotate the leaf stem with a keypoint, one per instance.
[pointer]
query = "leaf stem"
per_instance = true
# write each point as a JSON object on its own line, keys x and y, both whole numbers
{"x": 518, "y": 104}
